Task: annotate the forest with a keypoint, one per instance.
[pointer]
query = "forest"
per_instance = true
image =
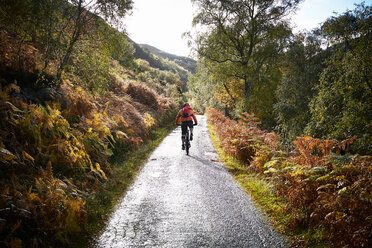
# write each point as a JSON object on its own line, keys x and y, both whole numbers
{"x": 291, "y": 113}
{"x": 316, "y": 83}
{"x": 293, "y": 110}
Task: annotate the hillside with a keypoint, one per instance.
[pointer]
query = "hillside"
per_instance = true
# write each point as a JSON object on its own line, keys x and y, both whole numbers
{"x": 186, "y": 63}
{"x": 72, "y": 99}
{"x": 164, "y": 61}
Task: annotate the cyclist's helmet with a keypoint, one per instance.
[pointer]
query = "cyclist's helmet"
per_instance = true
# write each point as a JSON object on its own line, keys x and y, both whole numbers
{"x": 186, "y": 104}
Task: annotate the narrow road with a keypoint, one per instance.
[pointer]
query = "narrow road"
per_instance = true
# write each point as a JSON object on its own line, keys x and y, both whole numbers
{"x": 187, "y": 201}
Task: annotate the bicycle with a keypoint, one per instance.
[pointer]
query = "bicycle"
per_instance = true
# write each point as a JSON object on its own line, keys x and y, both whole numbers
{"x": 187, "y": 140}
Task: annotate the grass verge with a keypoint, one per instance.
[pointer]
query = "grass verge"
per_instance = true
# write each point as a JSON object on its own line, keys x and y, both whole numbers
{"x": 125, "y": 167}
{"x": 264, "y": 195}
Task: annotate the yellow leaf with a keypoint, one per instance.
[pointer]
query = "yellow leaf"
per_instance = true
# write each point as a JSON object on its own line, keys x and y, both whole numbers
{"x": 148, "y": 120}
{"x": 121, "y": 134}
{"x": 101, "y": 171}
{"x": 60, "y": 191}
{"x": 14, "y": 108}
{"x": 33, "y": 196}
{"x": 27, "y": 156}
{"x": 6, "y": 154}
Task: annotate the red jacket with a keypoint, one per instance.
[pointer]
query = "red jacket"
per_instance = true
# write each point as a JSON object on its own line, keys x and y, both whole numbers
{"x": 186, "y": 114}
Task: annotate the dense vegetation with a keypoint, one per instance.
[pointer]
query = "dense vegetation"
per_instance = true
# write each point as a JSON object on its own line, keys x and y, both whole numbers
{"x": 72, "y": 97}
{"x": 319, "y": 196}
{"x": 317, "y": 83}
{"x": 314, "y": 90}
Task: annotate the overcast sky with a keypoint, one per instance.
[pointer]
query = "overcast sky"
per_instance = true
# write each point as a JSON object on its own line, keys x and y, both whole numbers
{"x": 161, "y": 23}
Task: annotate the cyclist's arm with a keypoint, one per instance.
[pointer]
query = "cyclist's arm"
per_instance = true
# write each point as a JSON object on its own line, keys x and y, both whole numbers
{"x": 178, "y": 118}
{"x": 195, "y": 120}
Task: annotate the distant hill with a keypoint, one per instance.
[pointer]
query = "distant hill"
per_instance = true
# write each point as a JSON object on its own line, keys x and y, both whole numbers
{"x": 187, "y": 63}
{"x": 140, "y": 53}
{"x": 165, "y": 61}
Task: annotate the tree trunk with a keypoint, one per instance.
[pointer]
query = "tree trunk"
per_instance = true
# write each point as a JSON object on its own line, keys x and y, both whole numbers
{"x": 228, "y": 92}
{"x": 65, "y": 59}
{"x": 247, "y": 88}
{"x": 79, "y": 22}
{"x": 227, "y": 112}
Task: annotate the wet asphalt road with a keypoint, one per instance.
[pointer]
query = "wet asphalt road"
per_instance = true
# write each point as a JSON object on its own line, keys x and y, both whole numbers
{"x": 187, "y": 201}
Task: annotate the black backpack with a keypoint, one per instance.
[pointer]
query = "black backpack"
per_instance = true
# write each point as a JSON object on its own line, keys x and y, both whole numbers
{"x": 186, "y": 113}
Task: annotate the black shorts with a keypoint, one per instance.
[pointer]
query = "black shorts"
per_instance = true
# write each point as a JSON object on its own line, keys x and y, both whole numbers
{"x": 184, "y": 126}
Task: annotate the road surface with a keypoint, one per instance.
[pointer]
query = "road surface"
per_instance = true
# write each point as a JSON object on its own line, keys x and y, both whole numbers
{"x": 187, "y": 201}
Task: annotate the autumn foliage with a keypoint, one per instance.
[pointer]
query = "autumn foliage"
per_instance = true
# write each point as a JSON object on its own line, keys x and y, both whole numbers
{"x": 71, "y": 102}
{"x": 52, "y": 157}
{"x": 325, "y": 187}
{"x": 54, "y": 154}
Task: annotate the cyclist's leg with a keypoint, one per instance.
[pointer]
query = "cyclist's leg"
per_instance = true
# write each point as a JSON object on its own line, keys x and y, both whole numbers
{"x": 191, "y": 127}
{"x": 184, "y": 130}
{"x": 187, "y": 137}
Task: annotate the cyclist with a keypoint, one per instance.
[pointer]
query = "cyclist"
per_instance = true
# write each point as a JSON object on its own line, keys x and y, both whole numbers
{"x": 186, "y": 114}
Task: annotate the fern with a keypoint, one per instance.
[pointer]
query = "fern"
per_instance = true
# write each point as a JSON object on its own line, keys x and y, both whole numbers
{"x": 323, "y": 189}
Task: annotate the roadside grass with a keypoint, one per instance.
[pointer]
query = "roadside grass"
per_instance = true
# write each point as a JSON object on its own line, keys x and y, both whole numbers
{"x": 125, "y": 166}
{"x": 263, "y": 193}
{"x": 266, "y": 199}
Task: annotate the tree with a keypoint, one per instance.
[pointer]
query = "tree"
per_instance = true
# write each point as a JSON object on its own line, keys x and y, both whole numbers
{"x": 32, "y": 21}
{"x": 57, "y": 25}
{"x": 121, "y": 48}
{"x": 342, "y": 106}
{"x": 84, "y": 14}
{"x": 201, "y": 89}
{"x": 244, "y": 35}
{"x": 91, "y": 63}
{"x": 300, "y": 68}
{"x": 263, "y": 97}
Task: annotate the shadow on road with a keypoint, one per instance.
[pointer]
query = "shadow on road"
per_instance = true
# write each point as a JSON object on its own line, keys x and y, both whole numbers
{"x": 208, "y": 163}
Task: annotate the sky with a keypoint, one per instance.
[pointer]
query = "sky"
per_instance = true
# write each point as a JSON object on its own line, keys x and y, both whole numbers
{"x": 161, "y": 23}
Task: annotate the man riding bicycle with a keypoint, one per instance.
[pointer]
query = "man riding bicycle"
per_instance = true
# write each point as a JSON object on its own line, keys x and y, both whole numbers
{"x": 186, "y": 114}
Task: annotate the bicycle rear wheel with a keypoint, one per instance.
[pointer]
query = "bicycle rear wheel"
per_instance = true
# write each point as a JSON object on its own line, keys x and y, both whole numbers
{"x": 187, "y": 142}
{"x": 187, "y": 147}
